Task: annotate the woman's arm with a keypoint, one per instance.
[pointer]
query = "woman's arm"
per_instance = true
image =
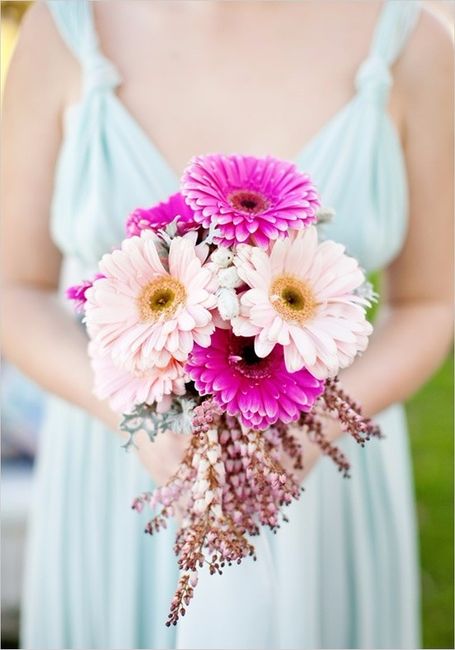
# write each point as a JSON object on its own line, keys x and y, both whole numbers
{"x": 414, "y": 331}
{"x": 39, "y": 335}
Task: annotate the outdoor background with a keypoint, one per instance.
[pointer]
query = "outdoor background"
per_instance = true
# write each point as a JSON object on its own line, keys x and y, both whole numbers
{"x": 431, "y": 433}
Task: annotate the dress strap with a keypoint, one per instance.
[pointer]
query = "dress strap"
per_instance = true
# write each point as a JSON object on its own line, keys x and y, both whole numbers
{"x": 75, "y": 22}
{"x": 395, "y": 25}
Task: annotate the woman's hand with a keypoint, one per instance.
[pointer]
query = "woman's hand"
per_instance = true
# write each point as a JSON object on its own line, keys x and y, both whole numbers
{"x": 161, "y": 457}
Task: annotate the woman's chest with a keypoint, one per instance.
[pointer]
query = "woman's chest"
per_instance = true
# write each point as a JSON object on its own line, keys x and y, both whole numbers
{"x": 251, "y": 80}
{"x": 125, "y": 151}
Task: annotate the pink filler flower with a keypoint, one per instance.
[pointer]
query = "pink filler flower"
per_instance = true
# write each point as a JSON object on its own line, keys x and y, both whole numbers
{"x": 77, "y": 292}
{"x": 161, "y": 215}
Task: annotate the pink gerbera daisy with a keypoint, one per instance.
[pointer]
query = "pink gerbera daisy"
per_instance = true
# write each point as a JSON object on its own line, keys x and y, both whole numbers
{"x": 260, "y": 392}
{"x": 161, "y": 215}
{"x": 124, "y": 390}
{"x": 144, "y": 314}
{"x": 249, "y": 199}
{"x": 77, "y": 292}
{"x": 302, "y": 297}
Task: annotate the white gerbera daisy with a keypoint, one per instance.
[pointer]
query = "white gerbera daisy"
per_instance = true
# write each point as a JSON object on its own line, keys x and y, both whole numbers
{"x": 147, "y": 311}
{"x": 302, "y": 297}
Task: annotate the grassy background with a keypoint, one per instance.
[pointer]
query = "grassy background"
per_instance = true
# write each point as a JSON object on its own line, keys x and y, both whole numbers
{"x": 430, "y": 414}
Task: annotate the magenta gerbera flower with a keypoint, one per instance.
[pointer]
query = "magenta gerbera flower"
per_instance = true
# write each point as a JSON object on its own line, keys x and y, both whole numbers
{"x": 258, "y": 391}
{"x": 77, "y": 292}
{"x": 249, "y": 199}
{"x": 161, "y": 215}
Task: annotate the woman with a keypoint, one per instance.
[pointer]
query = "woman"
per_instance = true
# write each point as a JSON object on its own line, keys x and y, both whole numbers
{"x": 104, "y": 105}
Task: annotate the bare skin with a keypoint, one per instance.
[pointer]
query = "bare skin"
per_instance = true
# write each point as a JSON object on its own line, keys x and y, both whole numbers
{"x": 204, "y": 76}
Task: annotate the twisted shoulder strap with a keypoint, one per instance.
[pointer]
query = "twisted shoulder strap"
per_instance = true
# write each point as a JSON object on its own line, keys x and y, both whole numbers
{"x": 75, "y": 22}
{"x": 396, "y": 23}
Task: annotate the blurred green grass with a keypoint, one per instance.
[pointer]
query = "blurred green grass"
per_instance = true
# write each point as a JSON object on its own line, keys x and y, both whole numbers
{"x": 430, "y": 416}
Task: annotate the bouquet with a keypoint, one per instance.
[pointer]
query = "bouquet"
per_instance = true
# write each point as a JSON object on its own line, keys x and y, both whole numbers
{"x": 223, "y": 317}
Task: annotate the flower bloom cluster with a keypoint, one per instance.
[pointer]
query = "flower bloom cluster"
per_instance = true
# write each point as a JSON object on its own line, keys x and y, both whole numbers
{"x": 223, "y": 315}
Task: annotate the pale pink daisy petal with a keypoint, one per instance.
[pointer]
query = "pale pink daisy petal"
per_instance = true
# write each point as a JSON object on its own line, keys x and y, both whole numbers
{"x": 303, "y": 298}
{"x": 124, "y": 390}
{"x": 144, "y": 315}
{"x": 242, "y": 326}
{"x": 262, "y": 344}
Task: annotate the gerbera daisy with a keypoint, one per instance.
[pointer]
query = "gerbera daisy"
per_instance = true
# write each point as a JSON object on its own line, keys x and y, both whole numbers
{"x": 161, "y": 215}
{"x": 143, "y": 314}
{"x": 249, "y": 199}
{"x": 76, "y": 293}
{"x": 302, "y": 297}
{"x": 259, "y": 391}
{"x": 124, "y": 389}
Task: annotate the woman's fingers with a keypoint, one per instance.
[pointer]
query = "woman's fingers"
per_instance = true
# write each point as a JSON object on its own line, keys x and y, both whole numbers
{"x": 162, "y": 456}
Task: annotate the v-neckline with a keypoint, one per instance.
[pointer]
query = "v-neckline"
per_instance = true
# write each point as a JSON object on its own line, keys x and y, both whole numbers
{"x": 165, "y": 164}
{"x": 158, "y": 154}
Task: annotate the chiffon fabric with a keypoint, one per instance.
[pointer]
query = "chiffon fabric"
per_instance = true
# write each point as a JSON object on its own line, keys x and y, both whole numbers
{"x": 343, "y": 572}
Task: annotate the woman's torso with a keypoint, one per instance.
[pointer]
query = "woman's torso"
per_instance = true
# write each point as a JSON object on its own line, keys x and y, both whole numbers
{"x": 182, "y": 85}
{"x": 106, "y": 584}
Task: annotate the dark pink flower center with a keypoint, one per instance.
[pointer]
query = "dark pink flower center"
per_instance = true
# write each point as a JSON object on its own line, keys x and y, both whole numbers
{"x": 248, "y": 201}
{"x": 244, "y": 359}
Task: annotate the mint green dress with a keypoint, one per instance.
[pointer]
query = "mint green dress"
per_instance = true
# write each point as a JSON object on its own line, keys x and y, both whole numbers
{"x": 343, "y": 573}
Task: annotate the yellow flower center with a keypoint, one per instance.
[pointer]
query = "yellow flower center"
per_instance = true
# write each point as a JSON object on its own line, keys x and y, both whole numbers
{"x": 292, "y": 298}
{"x": 160, "y": 298}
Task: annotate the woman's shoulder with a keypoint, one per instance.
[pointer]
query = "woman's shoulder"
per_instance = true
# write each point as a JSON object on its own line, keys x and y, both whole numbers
{"x": 423, "y": 76}
{"x": 39, "y": 31}
{"x": 42, "y": 59}
{"x": 428, "y": 58}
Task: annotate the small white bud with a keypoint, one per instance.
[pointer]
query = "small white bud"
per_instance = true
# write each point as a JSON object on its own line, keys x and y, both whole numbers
{"x": 222, "y": 257}
{"x": 208, "y": 497}
{"x": 229, "y": 278}
{"x": 217, "y": 511}
{"x": 324, "y": 215}
{"x": 212, "y": 456}
{"x": 212, "y": 435}
{"x": 228, "y": 304}
{"x": 200, "y": 487}
{"x": 219, "y": 468}
{"x": 251, "y": 449}
{"x": 199, "y": 506}
{"x": 203, "y": 466}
